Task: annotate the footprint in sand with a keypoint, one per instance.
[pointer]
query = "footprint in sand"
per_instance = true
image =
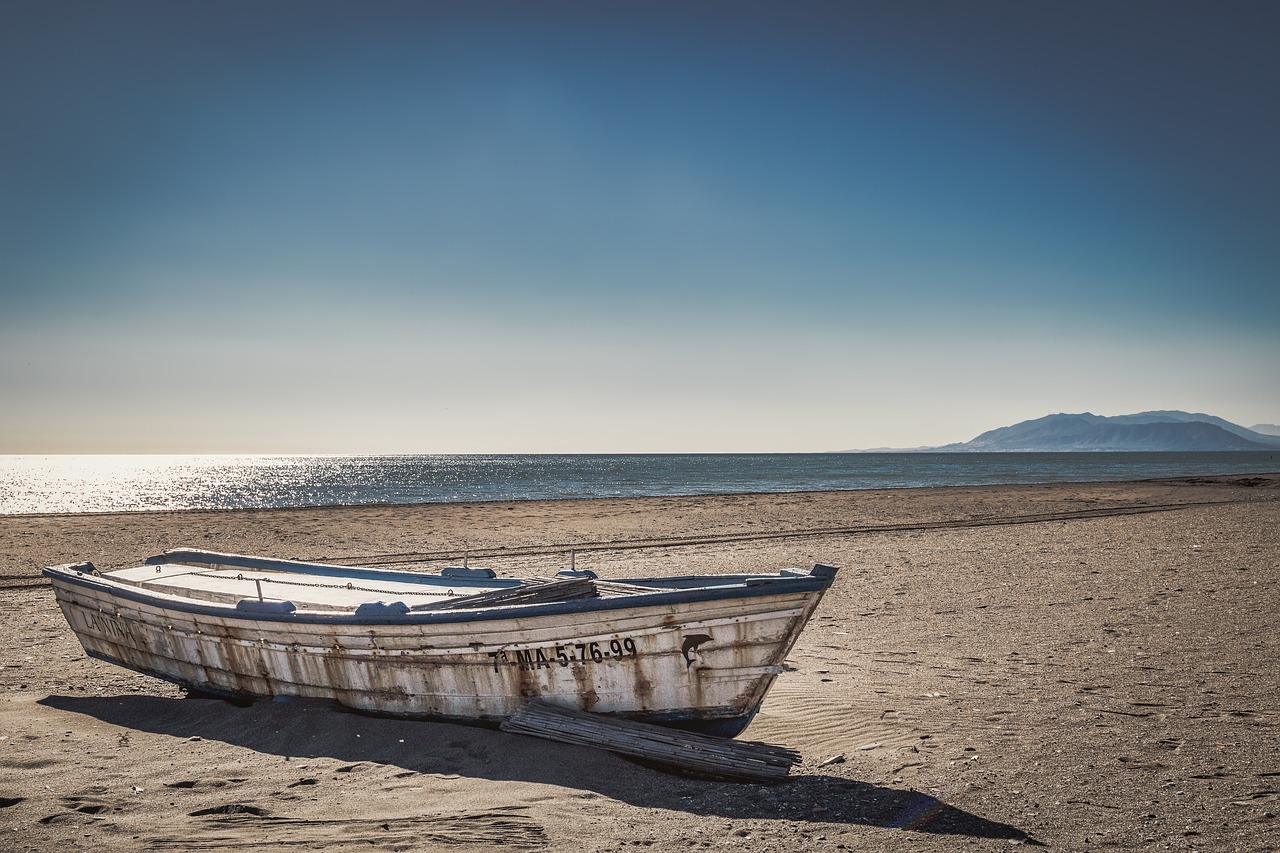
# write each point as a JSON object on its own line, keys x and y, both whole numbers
{"x": 62, "y": 817}
{"x": 204, "y": 783}
{"x": 510, "y": 827}
{"x": 79, "y": 806}
{"x": 231, "y": 809}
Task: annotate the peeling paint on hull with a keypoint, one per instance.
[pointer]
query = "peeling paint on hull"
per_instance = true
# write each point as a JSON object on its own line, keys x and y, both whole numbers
{"x": 678, "y": 657}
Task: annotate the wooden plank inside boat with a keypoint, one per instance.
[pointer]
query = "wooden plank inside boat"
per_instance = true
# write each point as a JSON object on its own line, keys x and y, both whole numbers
{"x": 679, "y": 750}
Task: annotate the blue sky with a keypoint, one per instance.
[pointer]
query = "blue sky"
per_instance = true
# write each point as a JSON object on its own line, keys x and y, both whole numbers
{"x": 612, "y": 227}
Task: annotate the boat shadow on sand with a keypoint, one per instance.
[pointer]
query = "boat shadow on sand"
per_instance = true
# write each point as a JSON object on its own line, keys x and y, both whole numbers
{"x": 317, "y": 730}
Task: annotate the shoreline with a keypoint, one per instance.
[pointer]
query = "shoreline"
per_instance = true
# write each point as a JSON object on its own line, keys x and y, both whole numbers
{"x": 34, "y": 488}
{"x": 1066, "y": 664}
{"x": 1199, "y": 479}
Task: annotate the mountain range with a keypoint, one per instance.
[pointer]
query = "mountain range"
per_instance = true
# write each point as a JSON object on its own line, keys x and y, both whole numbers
{"x": 1145, "y": 431}
{"x": 1164, "y": 430}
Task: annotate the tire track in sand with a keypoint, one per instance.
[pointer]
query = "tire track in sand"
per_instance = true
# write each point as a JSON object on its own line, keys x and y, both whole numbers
{"x": 755, "y": 536}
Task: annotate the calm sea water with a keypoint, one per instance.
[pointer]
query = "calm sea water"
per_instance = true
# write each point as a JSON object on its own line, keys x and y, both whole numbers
{"x": 39, "y": 484}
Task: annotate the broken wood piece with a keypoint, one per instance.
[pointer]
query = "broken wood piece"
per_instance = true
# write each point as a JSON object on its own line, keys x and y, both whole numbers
{"x": 679, "y": 750}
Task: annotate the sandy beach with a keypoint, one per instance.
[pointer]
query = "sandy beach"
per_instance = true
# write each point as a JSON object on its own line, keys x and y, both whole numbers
{"x": 1078, "y": 666}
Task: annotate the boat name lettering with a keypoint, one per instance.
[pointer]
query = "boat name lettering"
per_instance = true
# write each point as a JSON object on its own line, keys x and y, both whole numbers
{"x": 111, "y": 626}
{"x": 564, "y": 654}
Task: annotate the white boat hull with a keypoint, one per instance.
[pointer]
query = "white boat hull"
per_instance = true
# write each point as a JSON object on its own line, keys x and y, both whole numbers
{"x": 686, "y": 659}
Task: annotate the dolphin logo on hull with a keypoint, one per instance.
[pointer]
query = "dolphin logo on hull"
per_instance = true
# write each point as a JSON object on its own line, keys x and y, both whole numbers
{"x": 690, "y": 647}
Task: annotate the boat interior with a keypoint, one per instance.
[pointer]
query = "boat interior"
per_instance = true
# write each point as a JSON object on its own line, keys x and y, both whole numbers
{"x": 241, "y": 581}
{"x": 283, "y": 586}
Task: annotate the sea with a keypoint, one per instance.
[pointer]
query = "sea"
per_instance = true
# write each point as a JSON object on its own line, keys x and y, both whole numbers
{"x": 105, "y": 483}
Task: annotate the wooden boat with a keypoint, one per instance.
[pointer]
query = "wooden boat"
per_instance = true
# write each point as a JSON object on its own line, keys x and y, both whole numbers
{"x": 697, "y": 652}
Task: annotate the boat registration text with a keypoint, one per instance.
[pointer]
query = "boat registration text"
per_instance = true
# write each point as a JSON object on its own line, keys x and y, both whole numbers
{"x": 564, "y": 654}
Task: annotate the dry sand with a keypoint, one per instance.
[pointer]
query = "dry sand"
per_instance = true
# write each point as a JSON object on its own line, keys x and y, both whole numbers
{"x": 1081, "y": 666}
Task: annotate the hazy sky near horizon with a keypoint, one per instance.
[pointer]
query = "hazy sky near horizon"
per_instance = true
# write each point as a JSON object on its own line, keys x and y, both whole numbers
{"x": 428, "y": 227}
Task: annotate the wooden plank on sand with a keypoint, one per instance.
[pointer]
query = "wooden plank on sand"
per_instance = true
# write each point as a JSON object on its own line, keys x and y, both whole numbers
{"x": 685, "y": 751}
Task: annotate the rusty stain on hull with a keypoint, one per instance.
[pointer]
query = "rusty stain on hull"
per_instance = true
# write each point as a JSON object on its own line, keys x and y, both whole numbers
{"x": 690, "y": 653}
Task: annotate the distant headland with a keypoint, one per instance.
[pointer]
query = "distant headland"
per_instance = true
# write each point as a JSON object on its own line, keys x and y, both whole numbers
{"x": 1145, "y": 431}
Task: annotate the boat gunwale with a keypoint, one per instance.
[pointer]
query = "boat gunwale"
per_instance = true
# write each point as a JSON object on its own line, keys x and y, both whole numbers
{"x": 191, "y": 557}
{"x": 819, "y": 579}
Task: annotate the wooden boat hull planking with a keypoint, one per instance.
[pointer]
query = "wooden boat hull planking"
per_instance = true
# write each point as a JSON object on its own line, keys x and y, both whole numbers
{"x": 683, "y": 662}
